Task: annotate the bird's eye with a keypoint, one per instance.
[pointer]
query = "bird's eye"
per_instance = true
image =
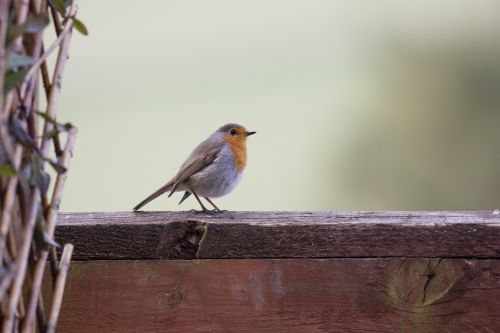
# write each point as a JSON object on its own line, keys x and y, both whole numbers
{"x": 232, "y": 132}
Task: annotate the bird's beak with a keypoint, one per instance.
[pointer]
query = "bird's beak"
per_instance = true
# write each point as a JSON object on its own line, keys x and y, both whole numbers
{"x": 250, "y": 133}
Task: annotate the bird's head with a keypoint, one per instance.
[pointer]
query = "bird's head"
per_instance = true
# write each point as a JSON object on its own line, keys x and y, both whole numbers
{"x": 235, "y": 134}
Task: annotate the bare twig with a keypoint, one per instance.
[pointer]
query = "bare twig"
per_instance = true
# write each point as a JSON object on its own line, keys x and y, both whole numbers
{"x": 14, "y": 152}
{"x": 46, "y": 87}
{"x": 8, "y": 201}
{"x": 4, "y": 12}
{"x": 57, "y": 20}
{"x": 22, "y": 15}
{"x": 40, "y": 315}
{"x": 61, "y": 181}
{"x": 22, "y": 257}
{"x": 22, "y": 262}
{"x": 59, "y": 289}
{"x": 53, "y": 264}
{"x": 50, "y": 227}
{"x": 52, "y": 47}
{"x": 24, "y": 267}
{"x": 56, "y": 79}
{"x": 7, "y": 278}
{"x": 45, "y": 76}
{"x": 27, "y": 95}
{"x": 5, "y": 138}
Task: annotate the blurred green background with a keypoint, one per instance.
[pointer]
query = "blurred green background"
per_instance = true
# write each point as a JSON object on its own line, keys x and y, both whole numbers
{"x": 358, "y": 105}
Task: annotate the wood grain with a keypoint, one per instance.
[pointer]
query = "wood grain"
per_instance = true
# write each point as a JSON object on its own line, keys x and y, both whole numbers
{"x": 183, "y": 235}
{"x": 279, "y": 295}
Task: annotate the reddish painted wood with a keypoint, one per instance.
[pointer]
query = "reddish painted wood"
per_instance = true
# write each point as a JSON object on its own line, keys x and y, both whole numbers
{"x": 299, "y": 295}
{"x": 183, "y": 235}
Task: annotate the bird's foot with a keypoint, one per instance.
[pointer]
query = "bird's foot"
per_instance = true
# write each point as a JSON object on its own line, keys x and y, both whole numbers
{"x": 203, "y": 211}
{"x": 218, "y": 211}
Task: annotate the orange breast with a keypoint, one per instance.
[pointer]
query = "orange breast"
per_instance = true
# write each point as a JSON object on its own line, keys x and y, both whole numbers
{"x": 239, "y": 148}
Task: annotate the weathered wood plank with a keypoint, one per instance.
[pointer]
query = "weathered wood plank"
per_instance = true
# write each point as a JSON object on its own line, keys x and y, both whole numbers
{"x": 298, "y": 295}
{"x": 183, "y": 235}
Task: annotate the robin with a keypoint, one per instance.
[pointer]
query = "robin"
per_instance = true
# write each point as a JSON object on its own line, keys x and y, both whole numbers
{"x": 213, "y": 169}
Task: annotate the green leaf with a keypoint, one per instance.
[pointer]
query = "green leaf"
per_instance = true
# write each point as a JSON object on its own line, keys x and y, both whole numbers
{"x": 56, "y": 130}
{"x": 46, "y": 117}
{"x": 7, "y": 170}
{"x": 39, "y": 231}
{"x": 20, "y": 134}
{"x": 58, "y": 127}
{"x": 51, "y": 120}
{"x": 37, "y": 176}
{"x": 50, "y": 241}
{"x": 12, "y": 79}
{"x": 59, "y": 6}
{"x": 45, "y": 181}
{"x": 41, "y": 237}
{"x": 19, "y": 60}
{"x": 51, "y": 134}
{"x": 80, "y": 26}
{"x": 57, "y": 167}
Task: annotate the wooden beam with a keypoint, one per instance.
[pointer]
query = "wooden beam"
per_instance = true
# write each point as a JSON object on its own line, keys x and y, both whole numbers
{"x": 184, "y": 235}
{"x": 281, "y": 295}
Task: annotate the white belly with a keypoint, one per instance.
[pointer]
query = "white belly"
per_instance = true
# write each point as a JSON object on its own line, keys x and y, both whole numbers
{"x": 217, "y": 179}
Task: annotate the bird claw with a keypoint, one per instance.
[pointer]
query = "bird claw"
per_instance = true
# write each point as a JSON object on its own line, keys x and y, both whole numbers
{"x": 204, "y": 211}
{"x": 207, "y": 211}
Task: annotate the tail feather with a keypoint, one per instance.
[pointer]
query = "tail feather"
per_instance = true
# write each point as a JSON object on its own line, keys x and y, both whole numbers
{"x": 153, "y": 196}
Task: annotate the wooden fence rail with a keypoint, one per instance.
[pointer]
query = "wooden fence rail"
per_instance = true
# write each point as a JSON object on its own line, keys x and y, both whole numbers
{"x": 282, "y": 272}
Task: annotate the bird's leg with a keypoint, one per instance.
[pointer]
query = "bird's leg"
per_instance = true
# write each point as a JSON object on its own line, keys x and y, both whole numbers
{"x": 203, "y": 208}
{"x": 217, "y": 210}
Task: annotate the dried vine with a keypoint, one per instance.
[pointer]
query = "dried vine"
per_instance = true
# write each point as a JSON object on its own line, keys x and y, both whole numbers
{"x": 27, "y": 216}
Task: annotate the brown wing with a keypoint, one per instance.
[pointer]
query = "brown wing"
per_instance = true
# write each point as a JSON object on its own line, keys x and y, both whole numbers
{"x": 203, "y": 155}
